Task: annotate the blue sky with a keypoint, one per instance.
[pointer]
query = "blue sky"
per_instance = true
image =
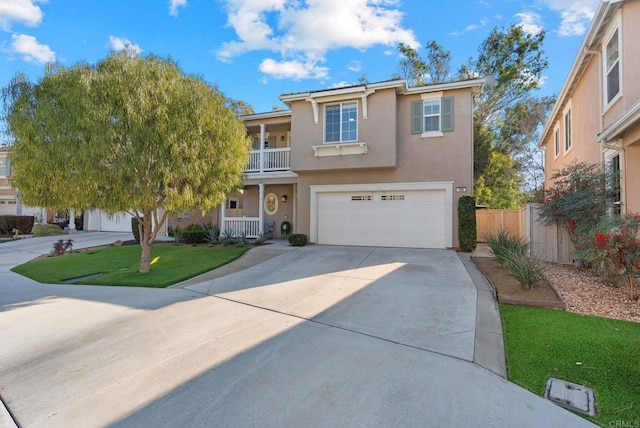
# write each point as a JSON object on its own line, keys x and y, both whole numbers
{"x": 255, "y": 50}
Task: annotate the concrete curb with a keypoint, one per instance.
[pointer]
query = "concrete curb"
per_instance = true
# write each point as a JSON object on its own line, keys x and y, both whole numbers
{"x": 6, "y": 418}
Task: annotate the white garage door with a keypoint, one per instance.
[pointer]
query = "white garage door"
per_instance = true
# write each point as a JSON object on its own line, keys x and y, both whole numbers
{"x": 413, "y": 218}
{"x": 120, "y": 222}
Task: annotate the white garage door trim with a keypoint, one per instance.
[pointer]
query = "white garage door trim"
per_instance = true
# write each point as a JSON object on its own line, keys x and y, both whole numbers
{"x": 446, "y": 186}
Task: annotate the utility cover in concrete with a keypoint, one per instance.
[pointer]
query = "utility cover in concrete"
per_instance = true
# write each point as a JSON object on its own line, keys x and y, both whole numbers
{"x": 571, "y": 396}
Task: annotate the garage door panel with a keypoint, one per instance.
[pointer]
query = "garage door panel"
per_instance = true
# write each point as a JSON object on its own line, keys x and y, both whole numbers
{"x": 398, "y": 219}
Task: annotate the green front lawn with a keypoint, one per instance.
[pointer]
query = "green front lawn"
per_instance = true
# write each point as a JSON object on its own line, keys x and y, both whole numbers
{"x": 170, "y": 264}
{"x": 601, "y": 353}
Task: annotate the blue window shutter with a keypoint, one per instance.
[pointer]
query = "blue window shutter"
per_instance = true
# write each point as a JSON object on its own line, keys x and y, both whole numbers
{"x": 447, "y": 114}
{"x": 416, "y": 117}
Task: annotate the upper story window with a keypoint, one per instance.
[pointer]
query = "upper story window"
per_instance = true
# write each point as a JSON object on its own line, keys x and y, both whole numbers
{"x": 432, "y": 116}
{"x": 341, "y": 122}
{"x": 5, "y": 167}
{"x": 556, "y": 142}
{"x": 612, "y": 66}
{"x": 567, "y": 130}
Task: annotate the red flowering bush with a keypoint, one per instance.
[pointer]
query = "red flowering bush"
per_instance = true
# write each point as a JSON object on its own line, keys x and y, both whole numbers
{"x": 620, "y": 248}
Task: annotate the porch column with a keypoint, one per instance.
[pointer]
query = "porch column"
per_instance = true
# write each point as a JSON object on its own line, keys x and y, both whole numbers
{"x": 223, "y": 206}
{"x": 262, "y": 134}
{"x": 261, "y": 205}
{"x": 72, "y": 221}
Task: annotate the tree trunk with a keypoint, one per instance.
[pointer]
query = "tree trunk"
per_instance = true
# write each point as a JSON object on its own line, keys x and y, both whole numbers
{"x": 146, "y": 242}
{"x": 145, "y": 256}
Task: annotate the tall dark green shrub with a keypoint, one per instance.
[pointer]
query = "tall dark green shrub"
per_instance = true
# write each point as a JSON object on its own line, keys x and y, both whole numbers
{"x": 7, "y": 224}
{"x": 467, "y": 235}
{"x": 135, "y": 230}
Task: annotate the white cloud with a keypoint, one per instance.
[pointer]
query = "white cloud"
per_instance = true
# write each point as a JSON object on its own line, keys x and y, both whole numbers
{"x": 483, "y": 23}
{"x": 530, "y": 22}
{"x": 341, "y": 84}
{"x": 355, "y": 66}
{"x": 294, "y": 69}
{"x": 22, "y": 11}
{"x": 119, "y": 43}
{"x": 30, "y": 50}
{"x": 303, "y": 32}
{"x": 576, "y": 15}
{"x": 174, "y": 5}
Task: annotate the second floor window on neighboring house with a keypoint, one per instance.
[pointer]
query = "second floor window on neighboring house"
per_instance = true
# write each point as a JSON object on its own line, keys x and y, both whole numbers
{"x": 612, "y": 57}
{"x": 432, "y": 116}
{"x": 341, "y": 122}
{"x": 567, "y": 131}
{"x": 556, "y": 145}
{"x": 5, "y": 167}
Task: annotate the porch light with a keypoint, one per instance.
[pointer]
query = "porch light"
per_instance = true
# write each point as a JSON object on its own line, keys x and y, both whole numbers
{"x": 284, "y": 198}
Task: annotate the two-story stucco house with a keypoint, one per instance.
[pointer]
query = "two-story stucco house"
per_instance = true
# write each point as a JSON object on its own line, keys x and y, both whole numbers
{"x": 377, "y": 164}
{"x": 597, "y": 115}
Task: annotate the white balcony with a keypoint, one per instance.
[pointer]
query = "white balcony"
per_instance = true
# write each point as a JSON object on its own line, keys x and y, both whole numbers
{"x": 267, "y": 160}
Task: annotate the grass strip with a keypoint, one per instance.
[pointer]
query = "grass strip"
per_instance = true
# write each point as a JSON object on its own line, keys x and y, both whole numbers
{"x": 601, "y": 353}
{"x": 119, "y": 265}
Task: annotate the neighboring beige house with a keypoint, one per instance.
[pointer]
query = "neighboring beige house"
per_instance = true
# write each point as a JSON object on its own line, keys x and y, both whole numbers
{"x": 597, "y": 115}
{"x": 377, "y": 164}
{"x": 8, "y": 195}
{"x": 10, "y": 203}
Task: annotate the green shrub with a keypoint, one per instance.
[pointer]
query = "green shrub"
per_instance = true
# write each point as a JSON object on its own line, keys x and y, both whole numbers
{"x": 135, "y": 229}
{"x": 227, "y": 237}
{"x": 194, "y": 234}
{"x": 24, "y": 223}
{"x": 7, "y": 224}
{"x": 526, "y": 270}
{"x": 47, "y": 230}
{"x": 467, "y": 235}
{"x": 506, "y": 245}
{"x": 298, "y": 239}
{"x": 211, "y": 233}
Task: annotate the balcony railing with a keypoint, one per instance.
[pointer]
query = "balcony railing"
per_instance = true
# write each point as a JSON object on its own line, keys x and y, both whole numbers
{"x": 242, "y": 226}
{"x": 272, "y": 160}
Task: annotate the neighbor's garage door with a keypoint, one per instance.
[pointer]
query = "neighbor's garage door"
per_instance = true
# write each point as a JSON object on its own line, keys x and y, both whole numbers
{"x": 120, "y": 222}
{"x": 414, "y": 218}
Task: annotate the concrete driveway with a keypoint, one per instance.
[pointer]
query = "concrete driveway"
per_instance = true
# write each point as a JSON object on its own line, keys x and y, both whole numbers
{"x": 318, "y": 336}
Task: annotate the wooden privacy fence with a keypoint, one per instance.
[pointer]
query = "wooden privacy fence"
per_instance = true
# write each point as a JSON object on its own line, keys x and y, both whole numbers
{"x": 489, "y": 222}
{"x": 549, "y": 243}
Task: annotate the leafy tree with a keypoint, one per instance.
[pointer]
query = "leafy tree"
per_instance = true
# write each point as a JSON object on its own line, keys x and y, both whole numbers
{"x": 130, "y": 134}
{"x": 241, "y": 108}
{"x": 499, "y": 186}
{"x": 411, "y": 67}
{"x": 438, "y": 63}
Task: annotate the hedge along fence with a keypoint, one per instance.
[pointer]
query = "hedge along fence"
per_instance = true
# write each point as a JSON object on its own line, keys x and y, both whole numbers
{"x": 24, "y": 224}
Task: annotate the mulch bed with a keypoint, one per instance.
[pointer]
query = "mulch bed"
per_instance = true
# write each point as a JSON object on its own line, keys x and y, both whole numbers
{"x": 508, "y": 290}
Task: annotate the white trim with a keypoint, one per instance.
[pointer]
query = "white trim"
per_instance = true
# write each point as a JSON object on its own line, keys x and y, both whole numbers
{"x": 324, "y": 130}
{"x": 432, "y": 134}
{"x": 556, "y": 141}
{"x": 431, "y": 95}
{"x": 616, "y": 24}
{"x": 447, "y": 186}
{"x": 340, "y": 149}
{"x": 617, "y": 128}
{"x": 567, "y": 110}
